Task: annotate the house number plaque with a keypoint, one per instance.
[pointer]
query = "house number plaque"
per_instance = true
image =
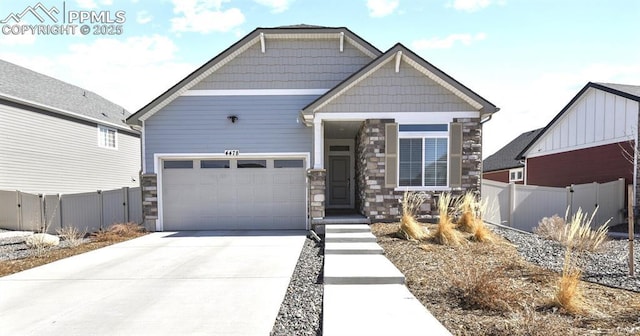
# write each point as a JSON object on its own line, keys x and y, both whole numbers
{"x": 231, "y": 152}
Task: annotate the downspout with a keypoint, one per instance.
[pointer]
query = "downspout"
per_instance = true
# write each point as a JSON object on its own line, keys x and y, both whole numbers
{"x": 635, "y": 160}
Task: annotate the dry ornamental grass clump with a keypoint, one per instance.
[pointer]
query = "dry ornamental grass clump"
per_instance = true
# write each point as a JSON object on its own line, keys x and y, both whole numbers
{"x": 118, "y": 231}
{"x": 576, "y": 234}
{"x": 410, "y": 229}
{"x": 471, "y": 218}
{"x": 445, "y": 232}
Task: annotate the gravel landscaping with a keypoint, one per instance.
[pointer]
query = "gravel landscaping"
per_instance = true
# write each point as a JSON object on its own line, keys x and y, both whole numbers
{"x": 13, "y": 247}
{"x": 301, "y": 310}
{"x": 608, "y": 267}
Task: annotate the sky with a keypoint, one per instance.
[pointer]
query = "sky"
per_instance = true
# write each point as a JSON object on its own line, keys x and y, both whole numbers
{"x": 528, "y": 57}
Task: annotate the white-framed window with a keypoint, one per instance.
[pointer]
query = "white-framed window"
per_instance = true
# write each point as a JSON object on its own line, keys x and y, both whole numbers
{"x": 107, "y": 137}
{"x": 423, "y": 156}
{"x": 516, "y": 175}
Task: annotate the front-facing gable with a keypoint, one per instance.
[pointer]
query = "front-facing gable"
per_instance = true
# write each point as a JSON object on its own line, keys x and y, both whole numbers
{"x": 399, "y": 81}
{"x": 600, "y": 114}
{"x": 285, "y": 58}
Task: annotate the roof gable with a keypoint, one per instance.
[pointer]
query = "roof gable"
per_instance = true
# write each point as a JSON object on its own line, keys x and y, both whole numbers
{"x": 258, "y": 36}
{"x": 398, "y": 54}
{"x": 631, "y": 92}
{"x": 29, "y": 88}
{"x": 507, "y": 156}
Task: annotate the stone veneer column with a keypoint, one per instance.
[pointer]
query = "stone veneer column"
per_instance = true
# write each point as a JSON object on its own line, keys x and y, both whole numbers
{"x": 317, "y": 186}
{"x": 149, "y": 184}
{"x": 471, "y": 153}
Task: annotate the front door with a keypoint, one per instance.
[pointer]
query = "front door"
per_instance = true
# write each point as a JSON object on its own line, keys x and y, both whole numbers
{"x": 339, "y": 181}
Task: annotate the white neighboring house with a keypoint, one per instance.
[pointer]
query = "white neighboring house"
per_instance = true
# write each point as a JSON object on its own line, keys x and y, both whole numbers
{"x": 58, "y": 138}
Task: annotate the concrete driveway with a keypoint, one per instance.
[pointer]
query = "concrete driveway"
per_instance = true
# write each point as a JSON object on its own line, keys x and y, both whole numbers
{"x": 165, "y": 283}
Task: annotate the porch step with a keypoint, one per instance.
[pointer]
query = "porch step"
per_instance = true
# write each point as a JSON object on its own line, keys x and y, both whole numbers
{"x": 344, "y": 228}
{"x": 341, "y": 220}
{"x": 352, "y": 248}
{"x": 361, "y": 269}
{"x": 349, "y": 237}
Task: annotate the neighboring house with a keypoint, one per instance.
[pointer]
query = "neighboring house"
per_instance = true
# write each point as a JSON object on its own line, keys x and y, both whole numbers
{"x": 59, "y": 138}
{"x": 502, "y": 166}
{"x": 590, "y": 140}
{"x": 292, "y": 121}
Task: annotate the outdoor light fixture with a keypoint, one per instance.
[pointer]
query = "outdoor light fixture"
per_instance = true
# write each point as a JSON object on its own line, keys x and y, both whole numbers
{"x": 233, "y": 118}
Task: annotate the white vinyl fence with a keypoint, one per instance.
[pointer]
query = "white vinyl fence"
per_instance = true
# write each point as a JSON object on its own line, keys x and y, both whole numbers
{"x": 523, "y": 206}
{"x": 90, "y": 211}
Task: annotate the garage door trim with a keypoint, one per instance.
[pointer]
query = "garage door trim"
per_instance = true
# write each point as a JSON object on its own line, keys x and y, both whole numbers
{"x": 160, "y": 157}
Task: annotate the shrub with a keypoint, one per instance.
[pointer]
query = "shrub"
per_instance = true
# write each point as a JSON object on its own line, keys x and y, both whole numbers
{"x": 72, "y": 235}
{"x": 117, "y": 232}
{"x": 409, "y": 227}
{"x": 485, "y": 289}
{"x": 445, "y": 232}
{"x": 551, "y": 228}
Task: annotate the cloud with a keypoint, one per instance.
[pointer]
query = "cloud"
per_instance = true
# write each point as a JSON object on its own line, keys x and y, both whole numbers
{"x": 474, "y": 5}
{"x": 131, "y": 72}
{"x": 380, "y": 8}
{"x": 143, "y": 17}
{"x": 204, "y": 16}
{"x": 447, "y": 42}
{"x": 277, "y": 6}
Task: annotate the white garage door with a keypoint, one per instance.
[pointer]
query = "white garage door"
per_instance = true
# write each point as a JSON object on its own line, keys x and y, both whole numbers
{"x": 234, "y": 194}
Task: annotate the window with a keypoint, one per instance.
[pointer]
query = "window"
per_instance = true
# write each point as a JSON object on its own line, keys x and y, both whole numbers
{"x": 178, "y": 164}
{"x": 252, "y": 163}
{"x": 288, "y": 163}
{"x": 107, "y": 137}
{"x": 516, "y": 175}
{"x": 214, "y": 164}
{"x": 423, "y": 160}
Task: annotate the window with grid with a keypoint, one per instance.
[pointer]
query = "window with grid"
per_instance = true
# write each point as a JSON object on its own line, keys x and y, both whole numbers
{"x": 107, "y": 137}
{"x": 423, "y": 152}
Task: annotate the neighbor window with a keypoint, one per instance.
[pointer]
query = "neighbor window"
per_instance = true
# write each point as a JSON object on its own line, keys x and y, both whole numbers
{"x": 107, "y": 137}
{"x": 516, "y": 175}
{"x": 423, "y": 160}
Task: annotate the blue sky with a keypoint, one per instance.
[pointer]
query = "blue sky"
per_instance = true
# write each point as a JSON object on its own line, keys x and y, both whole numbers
{"x": 529, "y": 57}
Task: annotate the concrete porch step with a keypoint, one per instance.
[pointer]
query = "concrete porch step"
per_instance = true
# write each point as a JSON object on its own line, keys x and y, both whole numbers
{"x": 352, "y": 248}
{"x": 345, "y": 228}
{"x": 349, "y": 237}
{"x": 341, "y": 220}
{"x": 360, "y": 269}
{"x": 376, "y": 310}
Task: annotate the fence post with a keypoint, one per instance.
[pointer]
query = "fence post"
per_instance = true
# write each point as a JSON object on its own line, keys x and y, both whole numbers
{"x": 512, "y": 203}
{"x": 125, "y": 204}
{"x": 60, "y": 209}
{"x": 101, "y": 208}
{"x": 43, "y": 220}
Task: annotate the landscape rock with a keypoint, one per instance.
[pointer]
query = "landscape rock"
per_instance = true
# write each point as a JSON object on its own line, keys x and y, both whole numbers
{"x": 42, "y": 240}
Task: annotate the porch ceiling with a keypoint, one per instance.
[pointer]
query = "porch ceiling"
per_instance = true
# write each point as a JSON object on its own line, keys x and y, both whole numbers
{"x": 341, "y": 129}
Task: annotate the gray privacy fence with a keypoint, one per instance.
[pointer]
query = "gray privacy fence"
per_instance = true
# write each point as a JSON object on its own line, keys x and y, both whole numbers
{"x": 89, "y": 211}
{"x": 523, "y": 206}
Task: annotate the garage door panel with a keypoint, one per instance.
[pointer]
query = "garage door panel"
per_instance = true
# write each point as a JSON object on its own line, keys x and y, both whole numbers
{"x": 234, "y": 198}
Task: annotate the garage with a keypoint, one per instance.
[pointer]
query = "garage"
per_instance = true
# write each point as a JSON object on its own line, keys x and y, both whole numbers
{"x": 234, "y": 194}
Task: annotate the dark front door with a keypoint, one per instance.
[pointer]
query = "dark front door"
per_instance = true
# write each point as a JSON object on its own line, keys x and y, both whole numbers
{"x": 339, "y": 181}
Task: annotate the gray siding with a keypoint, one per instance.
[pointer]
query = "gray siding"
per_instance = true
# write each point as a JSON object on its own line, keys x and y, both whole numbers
{"x": 405, "y": 91}
{"x": 288, "y": 64}
{"x": 41, "y": 153}
{"x": 199, "y": 124}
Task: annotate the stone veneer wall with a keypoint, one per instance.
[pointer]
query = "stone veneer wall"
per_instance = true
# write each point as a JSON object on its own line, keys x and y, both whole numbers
{"x": 149, "y": 184}
{"x": 379, "y": 203}
{"x": 317, "y": 180}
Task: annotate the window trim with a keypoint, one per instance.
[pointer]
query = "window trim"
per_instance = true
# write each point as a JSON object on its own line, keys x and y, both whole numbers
{"x": 422, "y": 135}
{"x": 516, "y": 171}
{"x": 102, "y": 143}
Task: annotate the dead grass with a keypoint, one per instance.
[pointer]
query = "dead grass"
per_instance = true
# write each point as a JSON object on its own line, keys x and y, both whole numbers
{"x": 577, "y": 234}
{"x": 488, "y": 289}
{"x": 50, "y": 255}
{"x": 72, "y": 235}
{"x": 445, "y": 232}
{"x": 410, "y": 229}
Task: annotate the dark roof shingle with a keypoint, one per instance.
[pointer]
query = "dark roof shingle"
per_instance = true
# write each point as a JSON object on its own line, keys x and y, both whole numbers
{"x": 506, "y": 157}
{"x": 25, "y": 86}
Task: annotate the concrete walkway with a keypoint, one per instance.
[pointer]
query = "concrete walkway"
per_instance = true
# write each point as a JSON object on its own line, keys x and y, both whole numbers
{"x": 364, "y": 293}
{"x": 187, "y": 283}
